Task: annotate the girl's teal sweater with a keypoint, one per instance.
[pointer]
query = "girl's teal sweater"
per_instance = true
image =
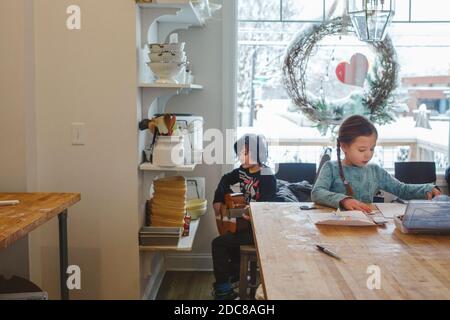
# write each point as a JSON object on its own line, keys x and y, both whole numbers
{"x": 366, "y": 182}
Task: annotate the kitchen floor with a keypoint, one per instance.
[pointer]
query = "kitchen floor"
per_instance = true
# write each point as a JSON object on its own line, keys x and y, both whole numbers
{"x": 186, "y": 286}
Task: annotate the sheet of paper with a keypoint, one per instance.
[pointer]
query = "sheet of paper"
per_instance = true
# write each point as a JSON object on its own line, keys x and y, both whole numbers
{"x": 343, "y": 218}
{"x": 391, "y": 210}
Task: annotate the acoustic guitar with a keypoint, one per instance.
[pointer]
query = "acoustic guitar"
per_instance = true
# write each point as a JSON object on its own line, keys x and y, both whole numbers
{"x": 229, "y": 219}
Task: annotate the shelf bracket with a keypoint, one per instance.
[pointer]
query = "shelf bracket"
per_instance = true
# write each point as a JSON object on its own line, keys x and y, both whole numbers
{"x": 166, "y": 29}
{"x": 149, "y": 17}
{"x": 164, "y": 95}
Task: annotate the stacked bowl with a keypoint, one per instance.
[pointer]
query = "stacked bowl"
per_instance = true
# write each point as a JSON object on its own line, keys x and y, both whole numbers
{"x": 167, "y": 60}
{"x": 196, "y": 208}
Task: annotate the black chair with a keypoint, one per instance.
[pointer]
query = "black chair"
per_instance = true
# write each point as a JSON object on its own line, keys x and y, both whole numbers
{"x": 415, "y": 172}
{"x": 447, "y": 177}
{"x": 18, "y": 288}
{"x": 297, "y": 172}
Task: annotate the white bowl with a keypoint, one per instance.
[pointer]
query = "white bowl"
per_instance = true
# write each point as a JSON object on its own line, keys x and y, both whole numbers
{"x": 161, "y": 47}
{"x": 196, "y": 208}
{"x": 168, "y": 56}
{"x": 197, "y": 213}
{"x": 196, "y": 204}
{"x": 166, "y": 72}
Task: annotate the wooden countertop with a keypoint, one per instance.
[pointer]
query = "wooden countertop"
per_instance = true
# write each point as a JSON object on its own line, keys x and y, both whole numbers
{"x": 411, "y": 266}
{"x": 33, "y": 210}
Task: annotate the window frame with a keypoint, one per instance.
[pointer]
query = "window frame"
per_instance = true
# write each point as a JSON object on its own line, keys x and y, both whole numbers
{"x": 324, "y": 7}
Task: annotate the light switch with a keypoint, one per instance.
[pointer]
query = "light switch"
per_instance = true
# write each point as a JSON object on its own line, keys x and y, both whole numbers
{"x": 78, "y": 134}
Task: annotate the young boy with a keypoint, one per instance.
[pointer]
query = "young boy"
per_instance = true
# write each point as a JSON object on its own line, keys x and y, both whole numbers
{"x": 257, "y": 183}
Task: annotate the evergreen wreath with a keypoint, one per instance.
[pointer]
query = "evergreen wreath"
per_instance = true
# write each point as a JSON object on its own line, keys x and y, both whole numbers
{"x": 373, "y": 103}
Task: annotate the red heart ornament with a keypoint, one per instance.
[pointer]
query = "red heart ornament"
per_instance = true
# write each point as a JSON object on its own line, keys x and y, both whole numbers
{"x": 355, "y": 72}
{"x": 340, "y": 71}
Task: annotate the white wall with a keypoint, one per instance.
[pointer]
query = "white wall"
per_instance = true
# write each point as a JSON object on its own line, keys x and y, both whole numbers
{"x": 14, "y": 118}
{"x": 89, "y": 76}
{"x": 12, "y": 96}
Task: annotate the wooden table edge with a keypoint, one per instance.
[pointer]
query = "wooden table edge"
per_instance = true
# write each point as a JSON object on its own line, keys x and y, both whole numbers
{"x": 261, "y": 273}
{"x": 11, "y": 239}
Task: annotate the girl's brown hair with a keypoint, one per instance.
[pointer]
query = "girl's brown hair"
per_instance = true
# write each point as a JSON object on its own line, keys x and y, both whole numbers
{"x": 352, "y": 128}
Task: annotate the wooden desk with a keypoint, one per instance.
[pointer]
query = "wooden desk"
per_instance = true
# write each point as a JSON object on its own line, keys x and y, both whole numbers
{"x": 412, "y": 267}
{"x": 34, "y": 210}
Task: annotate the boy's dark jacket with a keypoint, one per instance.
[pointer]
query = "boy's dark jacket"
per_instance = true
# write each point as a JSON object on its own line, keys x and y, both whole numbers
{"x": 260, "y": 186}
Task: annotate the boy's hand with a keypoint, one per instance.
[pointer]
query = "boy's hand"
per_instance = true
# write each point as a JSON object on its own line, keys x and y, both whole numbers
{"x": 434, "y": 193}
{"x": 353, "y": 204}
{"x": 245, "y": 216}
{"x": 216, "y": 207}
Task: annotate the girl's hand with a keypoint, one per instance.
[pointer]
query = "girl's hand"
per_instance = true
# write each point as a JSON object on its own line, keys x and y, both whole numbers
{"x": 434, "y": 193}
{"x": 353, "y": 204}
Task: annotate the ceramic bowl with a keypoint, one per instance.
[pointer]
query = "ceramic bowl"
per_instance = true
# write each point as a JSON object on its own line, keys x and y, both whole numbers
{"x": 196, "y": 204}
{"x": 161, "y": 47}
{"x": 196, "y": 208}
{"x": 195, "y": 214}
{"x": 166, "y": 72}
{"x": 168, "y": 57}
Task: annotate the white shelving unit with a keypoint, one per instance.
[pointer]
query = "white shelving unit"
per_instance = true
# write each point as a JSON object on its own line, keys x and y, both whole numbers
{"x": 171, "y": 86}
{"x": 187, "y": 13}
{"x": 184, "y": 244}
{"x": 151, "y": 167}
{"x": 156, "y": 21}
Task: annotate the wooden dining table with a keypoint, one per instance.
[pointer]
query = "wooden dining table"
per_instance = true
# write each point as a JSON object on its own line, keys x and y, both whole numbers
{"x": 376, "y": 263}
{"x": 32, "y": 211}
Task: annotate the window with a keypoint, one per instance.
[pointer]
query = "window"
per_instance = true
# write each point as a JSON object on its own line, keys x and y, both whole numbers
{"x": 421, "y": 35}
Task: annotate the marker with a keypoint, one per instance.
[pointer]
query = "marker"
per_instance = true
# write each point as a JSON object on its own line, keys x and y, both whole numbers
{"x": 328, "y": 252}
{"x": 9, "y": 203}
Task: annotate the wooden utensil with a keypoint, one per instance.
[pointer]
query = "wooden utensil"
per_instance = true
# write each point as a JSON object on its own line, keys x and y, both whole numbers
{"x": 173, "y": 122}
{"x": 170, "y": 121}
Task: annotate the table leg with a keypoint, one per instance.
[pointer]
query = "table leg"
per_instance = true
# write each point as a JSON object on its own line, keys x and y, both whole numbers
{"x": 63, "y": 255}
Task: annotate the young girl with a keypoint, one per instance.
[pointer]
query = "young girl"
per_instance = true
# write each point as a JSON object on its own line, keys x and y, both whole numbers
{"x": 257, "y": 183}
{"x": 352, "y": 183}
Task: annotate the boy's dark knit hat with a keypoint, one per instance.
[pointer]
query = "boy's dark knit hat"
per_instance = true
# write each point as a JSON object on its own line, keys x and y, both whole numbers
{"x": 256, "y": 143}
